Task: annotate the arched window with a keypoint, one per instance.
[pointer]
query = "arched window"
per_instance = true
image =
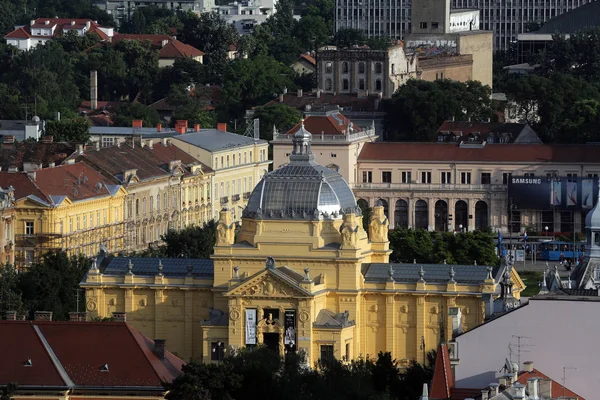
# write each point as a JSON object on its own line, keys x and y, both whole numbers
{"x": 144, "y": 206}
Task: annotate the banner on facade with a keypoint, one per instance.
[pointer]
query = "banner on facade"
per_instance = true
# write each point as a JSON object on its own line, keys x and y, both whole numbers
{"x": 250, "y": 326}
{"x": 290, "y": 328}
{"x": 587, "y": 193}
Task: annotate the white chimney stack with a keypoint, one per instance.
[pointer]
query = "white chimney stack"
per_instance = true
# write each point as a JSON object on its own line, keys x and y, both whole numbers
{"x": 93, "y": 90}
{"x": 532, "y": 388}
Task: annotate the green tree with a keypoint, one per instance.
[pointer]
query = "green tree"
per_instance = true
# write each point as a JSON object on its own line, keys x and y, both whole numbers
{"x": 52, "y": 284}
{"x": 191, "y": 242}
{"x": 191, "y": 107}
{"x": 8, "y": 16}
{"x": 253, "y": 81}
{"x": 417, "y": 109}
{"x": 112, "y": 72}
{"x": 10, "y": 106}
{"x": 142, "y": 68}
{"x": 69, "y": 130}
{"x": 10, "y": 295}
{"x": 127, "y": 112}
{"x": 282, "y": 116}
{"x": 8, "y": 391}
{"x": 202, "y": 381}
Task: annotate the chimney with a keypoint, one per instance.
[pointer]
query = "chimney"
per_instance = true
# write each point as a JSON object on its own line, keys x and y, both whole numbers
{"x": 528, "y": 366}
{"x": 196, "y": 127}
{"x": 299, "y": 93}
{"x": 51, "y": 165}
{"x": 47, "y": 139}
{"x": 94, "y": 90}
{"x": 281, "y": 98}
{"x": 318, "y": 93}
{"x": 164, "y": 142}
{"x": 80, "y": 149}
{"x": 72, "y": 23}
{"x": 97, "y": 143}
{"x": 11, "y": 315}
{"x": 165, "y": 42}
{"x": 519, "y": 391}
{"x": 180, "y": 129}
{"x": 222, "y": 126}
{"x": 159, "y": 348}
{"x": 32, "y": 175}
{"x": 78, "y": 316}
{"x": 88, "y": 25}
{"x": 485, "y": 395}
{"x": 119, "y": 316}
{"x": 32, "y": 22}
{"x": 532, "y": 388}
{"x": 137, "y": 123}
{"x": 158, "y": 127}
{"x": 494, "y": 389}
{"x": 181, "y": 122}
{"x": 42, "y": 316}
{"x": 545, "y": 388}
{"x": 150, "y": 144}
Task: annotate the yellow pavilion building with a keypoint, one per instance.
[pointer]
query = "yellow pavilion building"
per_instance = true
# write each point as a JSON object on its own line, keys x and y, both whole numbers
{"x": 300, "y": 275}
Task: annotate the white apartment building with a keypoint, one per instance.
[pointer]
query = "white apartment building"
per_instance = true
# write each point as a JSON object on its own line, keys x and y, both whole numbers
{"x": 122, "y": 10}
{"x": 245, "y": 15}
{"x": 505, "y": 18}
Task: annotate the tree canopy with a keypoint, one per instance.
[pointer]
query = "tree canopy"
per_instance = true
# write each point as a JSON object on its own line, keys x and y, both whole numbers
{"x": 69, "y": 130}
{"x": 189, "y": 242}
{"x": 417, "y": 109}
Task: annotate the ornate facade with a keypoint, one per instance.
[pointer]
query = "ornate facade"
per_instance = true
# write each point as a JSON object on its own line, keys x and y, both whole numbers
{"x": 7, "y": 225}
{"x": 300, "y": 275}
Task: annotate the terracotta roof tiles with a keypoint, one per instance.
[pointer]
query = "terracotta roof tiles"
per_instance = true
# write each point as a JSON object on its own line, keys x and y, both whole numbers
{"x": 331, "y": 124}
{"x": 449, "y": 152}
{"x": 346, "y": 100}
{"x": 557, "y": 388}
{"x": 310, "y": 59}
{"x": 177, "y": 49}
{"x": 443, "y": 380}
{"x": 59, "y": 24}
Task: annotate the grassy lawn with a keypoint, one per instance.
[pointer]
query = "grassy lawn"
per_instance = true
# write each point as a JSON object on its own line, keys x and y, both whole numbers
{"x": 531, "y": 279}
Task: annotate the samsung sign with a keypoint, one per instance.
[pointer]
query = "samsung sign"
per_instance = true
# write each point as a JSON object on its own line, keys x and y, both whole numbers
{"x": 530, "y": 193}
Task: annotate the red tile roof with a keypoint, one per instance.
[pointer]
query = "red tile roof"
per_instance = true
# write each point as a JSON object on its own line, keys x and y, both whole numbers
{"x": 34, "y": 152}
{"x": 449, "y": 152}
{"x": 76, "y": 181}
{"x": 156, "y": 41}
{"x": 81, "y": 349}
{"x": 557, "y": 388}
{"x": 443, "y": 380}
{"x": 331, "y": 124}
{"x": 61, "y": 24}
{"x": 310, "y": 59}
{"x": 177, "y": 49}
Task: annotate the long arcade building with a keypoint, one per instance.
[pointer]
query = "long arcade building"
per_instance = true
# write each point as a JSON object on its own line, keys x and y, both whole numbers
{"x": 301, "y": 274}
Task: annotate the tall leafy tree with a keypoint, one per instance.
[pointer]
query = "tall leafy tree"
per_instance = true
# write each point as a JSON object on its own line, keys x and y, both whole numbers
{"x": 127, "y": 112}
{"x": 69, "y": 130}
{"x": 280, "y": 116}
{"x": 191, "y": 242}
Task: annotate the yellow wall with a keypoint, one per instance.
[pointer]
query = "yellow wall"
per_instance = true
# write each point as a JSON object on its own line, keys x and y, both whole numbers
{"x": 7, "y": 230}
{"x": 78, "y": 227}
{"x": 480, "y": 46}
{"x": 388, "y": 316}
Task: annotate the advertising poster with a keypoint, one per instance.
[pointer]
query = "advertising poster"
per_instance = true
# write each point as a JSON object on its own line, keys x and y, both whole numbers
{"x": 250, "y": 326}
{"x": 587, "y": 193}
{"x": 290, "y": 329}
{"x": 571, "y": 194}
{"x": 556, "y": 193}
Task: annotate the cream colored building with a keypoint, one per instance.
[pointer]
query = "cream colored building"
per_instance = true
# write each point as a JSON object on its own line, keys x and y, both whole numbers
{"x": 336, "y": 142}
{"x": 301, "y": 275}
{"x": 166, "y": 187}
{"x": 7, "y": 226}
{"x": 441, "y": 186}
{"x": 238, "y": 162}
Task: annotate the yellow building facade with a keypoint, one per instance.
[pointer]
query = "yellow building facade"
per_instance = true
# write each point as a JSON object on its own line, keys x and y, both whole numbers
{"x": 7, "y": 226}
{"x": 70, "y": 207}
{"x": 238, "y": 163}
{"x": 300, "y": 275}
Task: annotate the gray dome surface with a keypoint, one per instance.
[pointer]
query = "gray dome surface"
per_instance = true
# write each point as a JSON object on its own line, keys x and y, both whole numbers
{"x": 301, "y": 188}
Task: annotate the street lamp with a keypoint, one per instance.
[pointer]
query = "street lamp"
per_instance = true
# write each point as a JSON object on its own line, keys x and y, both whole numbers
{"x": 460, "y": 228}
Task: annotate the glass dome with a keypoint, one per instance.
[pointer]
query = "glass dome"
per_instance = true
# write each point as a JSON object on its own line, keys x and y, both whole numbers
{"x": 301, "y": 189}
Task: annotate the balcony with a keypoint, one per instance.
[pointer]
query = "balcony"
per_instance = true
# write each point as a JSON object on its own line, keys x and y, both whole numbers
{"x": 247, "y": 195}
{"x": 235, "y": 197}
{"x": 224, "y": 200}
{"x": 432, "y": 187}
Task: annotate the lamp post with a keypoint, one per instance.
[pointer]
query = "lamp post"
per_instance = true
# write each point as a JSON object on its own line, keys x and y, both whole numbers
{"x": 460, "y": 228}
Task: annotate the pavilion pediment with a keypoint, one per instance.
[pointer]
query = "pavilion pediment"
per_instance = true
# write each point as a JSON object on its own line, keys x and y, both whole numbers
{"x": 268, "y": 284}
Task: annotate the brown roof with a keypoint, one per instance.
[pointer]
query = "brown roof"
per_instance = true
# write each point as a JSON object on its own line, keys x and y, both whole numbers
{"x": 443, "y": 380}
{"x": 330, "y": 124}
{"x": 156, "y": 41}
{"x": 149, "y": 163}
{"x": 19, "y": 33}
{"x": 449, "y": 152}
{"x": 557, "y": 388}
{"x": 177, "y": 49}
{"x": 349, "y": 101}
{"x": 310, "y": 59}
{"x": 76, "y": 181}
{"x": 35, "y": 152}
{"x": 81, "y": 350}
{"x": 484, "y": 129}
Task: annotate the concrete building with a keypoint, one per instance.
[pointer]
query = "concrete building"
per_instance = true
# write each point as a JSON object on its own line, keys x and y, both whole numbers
{"x": 362, "y": 70}
{"x": 40, "y": 30}
{"x": 166, "y": 188}
{"x": 305, "y": 64}
{"x": 72, "y": 360}
{"x": 301, "y": 275}
{"x": 335, "y": 143}
{"x": 238, "y": 163}
{"x": 70, "y": 207}
{"x": 506, "y": 21}
{"x": 122, "y": 10}
{"x": 441, "y": 186}
{"x": 7, "y": 225}
{"x": 246, "y": 14}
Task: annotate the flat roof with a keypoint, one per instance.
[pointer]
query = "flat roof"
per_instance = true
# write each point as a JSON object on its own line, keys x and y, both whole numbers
{"x": 215, "y": 140}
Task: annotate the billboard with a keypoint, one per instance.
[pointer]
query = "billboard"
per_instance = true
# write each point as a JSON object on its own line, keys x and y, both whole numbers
{"x": 533, "y": 193}
{"x": 289, "y": 339}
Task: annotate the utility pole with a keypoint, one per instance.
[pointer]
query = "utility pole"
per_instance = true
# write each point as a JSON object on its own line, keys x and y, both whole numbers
{"x": 564, "y": 379}
{"x": 77, "y": 291}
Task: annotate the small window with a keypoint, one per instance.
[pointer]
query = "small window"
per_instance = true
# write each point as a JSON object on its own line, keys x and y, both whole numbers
{"x": 446, "y": 177}
{"x": 328, "y": 84}
{"x": 529, "y": 175}
{"x": 425, "y": 177}
{"x": 406, "y": 177}
{"x": 327, "y": 352}
{"x": 345, "y": 84}
{"x": 393, "y": 69}
{"x": 378, "y": 85}
{"x": 361, "y": 84}
{"x": 29, "y": 227}
{"x": 486, "y": 178}
{"x": 367, "y": 176}
{"x": 505, "y": 177}
{"x": 465, "y": 178}
{"x": 378, "y": 68}
{"x": 217, "y": 352}
{"x": 345, "y": 67}
{"x": 386, "y": 177}
{"x": 422, "y": 25}
{"x": 435, "y": 25}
